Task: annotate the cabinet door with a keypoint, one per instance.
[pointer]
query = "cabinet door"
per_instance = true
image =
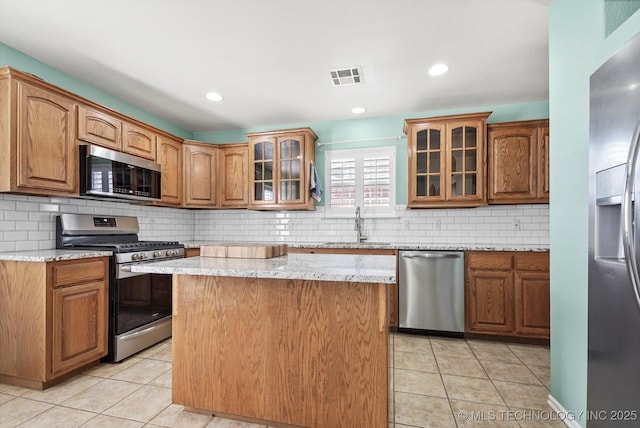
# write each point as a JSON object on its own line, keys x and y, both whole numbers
{"x": 543, "y": 164}
{"x": 513, "y": 153}
{"x": 46, "y": 154}
{"x": 532, "y": 289}
{"x": 465, "y": 162}
{"x": 234, "y": 177}
{"x": 262, "y": 158}
{"x": 99, "y": 128}
{"x": 426, "y": 163}
{"x": 200, "y": 165}
{"x": 532, "y": 304}
{"x": 79, "y": 325}
{"x": 490, "y": 302}
{"x": 290, "y": 175}
{"x": 138, "y": 141}
{"x": 170, "y": 159}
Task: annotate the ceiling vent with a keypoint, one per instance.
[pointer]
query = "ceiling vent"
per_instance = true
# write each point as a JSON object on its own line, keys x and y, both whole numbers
{"x": 346, "y": 76}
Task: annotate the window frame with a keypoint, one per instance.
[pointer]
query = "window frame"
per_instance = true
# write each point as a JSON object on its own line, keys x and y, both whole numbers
{"x": 359, "y": 155}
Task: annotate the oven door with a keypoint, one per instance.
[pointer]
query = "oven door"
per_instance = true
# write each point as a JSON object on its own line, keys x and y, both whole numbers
{"x": 139, "y": 298}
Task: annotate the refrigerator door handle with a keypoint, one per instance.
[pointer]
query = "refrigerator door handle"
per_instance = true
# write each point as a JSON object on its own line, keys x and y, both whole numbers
{"x": 628, "y": 214}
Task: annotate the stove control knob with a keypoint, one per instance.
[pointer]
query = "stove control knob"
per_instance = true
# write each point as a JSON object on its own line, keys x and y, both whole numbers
{"x": 156, "y": 254}
{"x": 143, "y": 256}
{"x": 134, "y": 257}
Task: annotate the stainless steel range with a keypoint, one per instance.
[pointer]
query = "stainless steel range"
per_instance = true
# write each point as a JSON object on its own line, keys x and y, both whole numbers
{"x": 139, "y": 304}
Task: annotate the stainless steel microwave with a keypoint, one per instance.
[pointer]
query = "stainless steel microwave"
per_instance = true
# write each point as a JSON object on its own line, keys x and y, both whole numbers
{"x": 111, "y": 174}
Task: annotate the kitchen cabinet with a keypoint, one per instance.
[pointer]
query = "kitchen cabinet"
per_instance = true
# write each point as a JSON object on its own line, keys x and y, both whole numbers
{"x": 234, "y": 175}
{"x": 138, "y": 141}
{"x": 169, "y": 152}
{"x": 279, "y": 166}
{"x": 37, "y": 137}
{"x": 393, "y": 288}
{"x": 200, "y": 174}
{"x": 507, "y": 293}
{"x": 53, "y": 319}
{"x": 99, "y": 128}
{"x": 518, "y": 165}
{"x": 447, "y": 161}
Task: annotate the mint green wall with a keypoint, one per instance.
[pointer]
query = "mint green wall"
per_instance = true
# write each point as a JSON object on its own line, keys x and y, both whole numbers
{"x": 577, "y": 47}
{"x": 617, "y": 11}
{"x": 22, "y": 62}
{"x": 379, "y": 127}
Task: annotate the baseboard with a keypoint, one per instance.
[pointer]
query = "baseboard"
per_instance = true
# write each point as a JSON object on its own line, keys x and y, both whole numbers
{"x": 563, "y": 414}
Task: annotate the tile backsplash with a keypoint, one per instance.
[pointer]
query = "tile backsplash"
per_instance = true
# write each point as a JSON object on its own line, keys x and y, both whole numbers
{"x": 498, "y": 225}
{"x": 28, "y": 223}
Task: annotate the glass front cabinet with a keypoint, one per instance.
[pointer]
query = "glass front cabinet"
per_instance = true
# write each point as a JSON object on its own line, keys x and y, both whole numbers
{"x": 447, "y": 161}
{"x": 280, "y": 163}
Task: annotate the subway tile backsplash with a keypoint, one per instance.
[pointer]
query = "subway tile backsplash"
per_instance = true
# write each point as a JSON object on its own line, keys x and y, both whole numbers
{"x": 28, "y": 223}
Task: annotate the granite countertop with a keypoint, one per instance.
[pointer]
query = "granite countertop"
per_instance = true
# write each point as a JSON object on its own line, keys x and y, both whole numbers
{"x": 50, "y": 255}
{"x": 324, "y": 267}
{"x": 390, "y": 246}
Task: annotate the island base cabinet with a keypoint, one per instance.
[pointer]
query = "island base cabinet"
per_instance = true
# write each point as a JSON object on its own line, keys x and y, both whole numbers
{"x": 293, "y": 352}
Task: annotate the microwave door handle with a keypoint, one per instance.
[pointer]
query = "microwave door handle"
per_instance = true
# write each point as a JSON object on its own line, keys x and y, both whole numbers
{"x": 629, "y": 213}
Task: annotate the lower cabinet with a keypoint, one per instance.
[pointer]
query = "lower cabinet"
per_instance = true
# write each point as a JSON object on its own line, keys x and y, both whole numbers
{"x": 53, "y": 319}
{"x": 507, "y": 293}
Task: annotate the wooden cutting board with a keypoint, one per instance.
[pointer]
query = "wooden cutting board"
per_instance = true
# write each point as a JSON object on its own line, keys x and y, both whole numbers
{"x": 244, "y": 250}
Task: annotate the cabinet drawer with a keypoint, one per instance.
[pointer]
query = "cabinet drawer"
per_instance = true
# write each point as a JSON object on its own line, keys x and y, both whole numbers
{"x": 77, "y": 272}
{"x": 489, "y": 260}
{"x": 532, "y": 261}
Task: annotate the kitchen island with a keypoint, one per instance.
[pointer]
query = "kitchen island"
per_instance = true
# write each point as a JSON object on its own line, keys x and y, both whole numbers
{"x": 297, "y": 340}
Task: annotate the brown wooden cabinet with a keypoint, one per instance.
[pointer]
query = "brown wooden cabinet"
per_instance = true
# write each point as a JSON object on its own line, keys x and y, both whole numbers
{"x": 169, "y": 152}
{"x": 99, "y": 128}
{"x": 200, "y": 174}
{"x": 507, "y": 293}
{"x": 518, "y": 166}
{"x": 447, "y": 161}
{"x": 37, "y": 138}
{"x": 279, "y": 165}
{"x": 234, "y": 175}
{"x": 53, "y": 319}
{"x": 393, "y": 288}
{"x": 138, "y": 141}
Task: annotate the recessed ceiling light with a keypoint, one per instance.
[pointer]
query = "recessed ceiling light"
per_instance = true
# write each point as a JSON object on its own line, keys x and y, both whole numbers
{"x": 358, "y": 110}
{"x": 214, "y": 96}
{"x": 438, "y": 69}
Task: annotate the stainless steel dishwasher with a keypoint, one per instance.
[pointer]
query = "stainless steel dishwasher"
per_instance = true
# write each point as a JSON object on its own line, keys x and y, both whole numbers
{"x": 431, "y": 291}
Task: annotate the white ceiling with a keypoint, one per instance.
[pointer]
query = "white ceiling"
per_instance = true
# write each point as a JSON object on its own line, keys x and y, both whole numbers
{"x": 270, "y": 59}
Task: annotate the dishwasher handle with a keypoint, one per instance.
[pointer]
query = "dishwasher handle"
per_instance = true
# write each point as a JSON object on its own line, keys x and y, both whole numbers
{"x": 432, "y": 256}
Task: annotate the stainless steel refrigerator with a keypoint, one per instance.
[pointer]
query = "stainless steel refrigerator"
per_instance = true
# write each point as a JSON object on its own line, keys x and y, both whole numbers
{"x": 613, "y": 380}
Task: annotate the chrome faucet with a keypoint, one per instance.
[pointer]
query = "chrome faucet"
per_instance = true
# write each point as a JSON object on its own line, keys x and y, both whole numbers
{"x": 360, "y": 238}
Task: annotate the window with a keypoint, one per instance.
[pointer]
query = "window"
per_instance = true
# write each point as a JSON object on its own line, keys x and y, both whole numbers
{"x": 360, "y": 177}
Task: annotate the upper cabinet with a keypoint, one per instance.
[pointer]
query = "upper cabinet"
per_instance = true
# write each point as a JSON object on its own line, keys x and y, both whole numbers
{"x": 37, "y": 137}
{"x": 234, "y": 175}
{"x": 99, "y": 128}
{"x": 447, "y": 161}
{"x": 200, "y": 174}
{"x": 279, "y": 165}
{"x": 169, "y": 153}
{"x": 138, "y": 141}
{"x": 518, "y": 162}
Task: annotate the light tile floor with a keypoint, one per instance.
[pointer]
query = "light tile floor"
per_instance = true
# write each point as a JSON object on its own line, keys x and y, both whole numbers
{"x": 438, "y": 382}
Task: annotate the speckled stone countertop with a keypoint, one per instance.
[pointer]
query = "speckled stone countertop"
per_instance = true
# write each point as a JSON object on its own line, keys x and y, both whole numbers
{"x": 323, "y": 267}
{"x": 391, "y": 246}
{"x": 50, "y": 255}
